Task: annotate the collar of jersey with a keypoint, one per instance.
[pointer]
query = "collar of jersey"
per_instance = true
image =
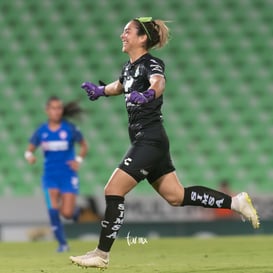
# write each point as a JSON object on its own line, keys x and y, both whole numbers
{"x": 140, "y": 59}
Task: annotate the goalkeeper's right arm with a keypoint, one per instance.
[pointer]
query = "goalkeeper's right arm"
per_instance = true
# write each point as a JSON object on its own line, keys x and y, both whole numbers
{"x": 113, "y": 89}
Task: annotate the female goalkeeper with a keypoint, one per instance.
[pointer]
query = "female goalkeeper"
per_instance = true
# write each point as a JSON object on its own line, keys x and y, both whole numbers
{"x": 142, "y": 82}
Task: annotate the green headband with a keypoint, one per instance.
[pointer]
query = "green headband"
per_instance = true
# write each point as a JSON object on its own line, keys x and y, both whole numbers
{"x": 143, "y": 20}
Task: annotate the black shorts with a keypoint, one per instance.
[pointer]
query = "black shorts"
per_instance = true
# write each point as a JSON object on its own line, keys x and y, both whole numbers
{"x": 149, "y": 155}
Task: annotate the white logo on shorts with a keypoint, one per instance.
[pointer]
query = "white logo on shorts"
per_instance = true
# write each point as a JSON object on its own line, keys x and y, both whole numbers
{"x": 127, "y": 161}
{"x": 144, "y": 172}
{"x": 75, "y": 182}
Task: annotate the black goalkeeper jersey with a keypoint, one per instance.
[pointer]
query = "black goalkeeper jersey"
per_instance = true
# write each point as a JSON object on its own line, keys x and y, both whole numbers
{"x": 135, "y": 77}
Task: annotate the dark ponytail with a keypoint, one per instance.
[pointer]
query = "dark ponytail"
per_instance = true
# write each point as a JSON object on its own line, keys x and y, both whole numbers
{"x": 71, "y": 109}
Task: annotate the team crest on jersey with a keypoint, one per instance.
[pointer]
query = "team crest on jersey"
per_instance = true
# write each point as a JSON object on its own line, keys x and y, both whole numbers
{"x": 63, "y": 135}
{"x": 44, "y": 135}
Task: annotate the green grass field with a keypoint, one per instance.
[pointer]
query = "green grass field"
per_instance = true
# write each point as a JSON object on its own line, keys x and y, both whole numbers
{"x": 250, "y": 254}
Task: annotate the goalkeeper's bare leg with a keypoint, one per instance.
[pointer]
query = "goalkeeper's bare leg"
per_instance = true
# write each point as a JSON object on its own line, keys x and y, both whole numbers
{"x": 171, "y": 190}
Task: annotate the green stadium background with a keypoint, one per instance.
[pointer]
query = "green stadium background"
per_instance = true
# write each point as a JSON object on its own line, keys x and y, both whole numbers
{"x": 218, "y": 100}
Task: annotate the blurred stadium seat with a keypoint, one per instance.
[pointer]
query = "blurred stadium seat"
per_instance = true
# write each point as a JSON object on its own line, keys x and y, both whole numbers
{"x": 218, "y": 103}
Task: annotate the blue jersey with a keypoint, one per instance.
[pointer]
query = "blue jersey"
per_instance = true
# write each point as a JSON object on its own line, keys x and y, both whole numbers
{"x": 58, "y": 148}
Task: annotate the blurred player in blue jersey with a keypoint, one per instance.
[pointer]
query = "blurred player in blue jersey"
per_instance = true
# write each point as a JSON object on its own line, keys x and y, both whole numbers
{"x": 60, "y": 183}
